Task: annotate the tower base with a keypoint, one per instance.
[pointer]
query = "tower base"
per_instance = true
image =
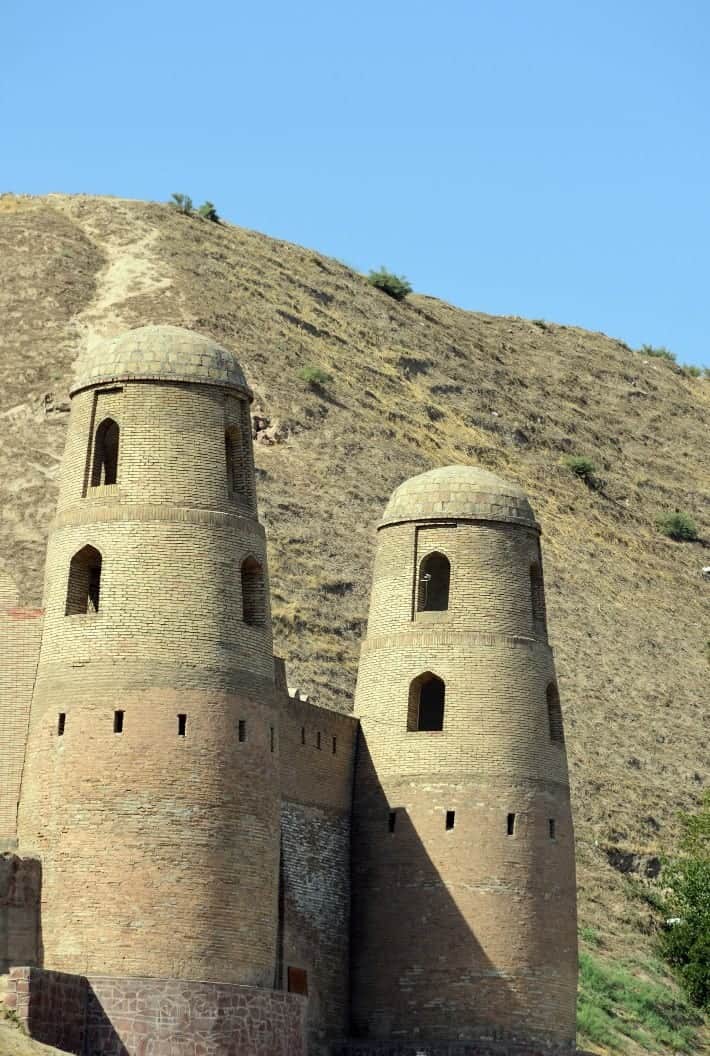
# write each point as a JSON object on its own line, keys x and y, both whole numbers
{"x": 107, "y": 1016}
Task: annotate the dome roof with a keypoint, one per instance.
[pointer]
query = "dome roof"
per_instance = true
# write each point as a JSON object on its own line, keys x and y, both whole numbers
{"x": 458, "y": 493}
{"x": 166, "y": 353}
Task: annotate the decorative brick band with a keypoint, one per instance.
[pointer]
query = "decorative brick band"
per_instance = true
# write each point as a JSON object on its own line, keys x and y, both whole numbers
{"x": 90, "y": 513}
{"x": 104, "y": 1016}
{"x": 433, "y": 635}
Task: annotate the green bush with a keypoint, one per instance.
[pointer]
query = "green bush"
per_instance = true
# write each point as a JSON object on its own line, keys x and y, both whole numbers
{"x": 315, "y": 377}
{"x": 686, "y": 944}
{"x": 208, "y": 211}
{"x": 181, "y": 202}
{"x": 659, "y": 353}
{"x": 583, "y": 468}
{"x": 692, "y": 370}
{"x": 678, "y": 526}
{"x": 394, "y": 285}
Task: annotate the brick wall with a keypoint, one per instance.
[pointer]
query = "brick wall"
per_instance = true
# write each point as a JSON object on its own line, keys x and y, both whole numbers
{"x": 20, "y": 636}
{"x": 317, "y": 754}
{"x": 100, "y": 1016}
{"x": 478, "y": 1048}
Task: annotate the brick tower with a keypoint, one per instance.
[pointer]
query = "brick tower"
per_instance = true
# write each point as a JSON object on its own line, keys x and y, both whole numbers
{"x": 464, "y": 916}
{"x": 151, "y": 789}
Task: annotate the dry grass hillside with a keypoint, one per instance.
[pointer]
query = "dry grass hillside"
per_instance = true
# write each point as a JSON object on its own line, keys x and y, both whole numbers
{"x": 414, "y": 385}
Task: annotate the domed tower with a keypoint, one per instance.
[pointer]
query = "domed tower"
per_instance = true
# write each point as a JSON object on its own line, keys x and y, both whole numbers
{"x": 150, "y": 789}
{"x": 464, "y": 907}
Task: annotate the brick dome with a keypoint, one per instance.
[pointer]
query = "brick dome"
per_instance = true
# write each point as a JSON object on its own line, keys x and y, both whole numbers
{"x": 165, "y": 353}
{"x": 459, "y": 493}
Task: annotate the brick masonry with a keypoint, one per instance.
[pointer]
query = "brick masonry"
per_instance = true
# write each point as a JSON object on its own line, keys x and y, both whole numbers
{"x": 223, "y": 831}
{"x": 161, "y": 1017}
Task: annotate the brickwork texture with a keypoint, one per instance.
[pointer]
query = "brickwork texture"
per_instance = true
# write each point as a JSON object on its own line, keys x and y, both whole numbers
{"x": 186, "y": 843}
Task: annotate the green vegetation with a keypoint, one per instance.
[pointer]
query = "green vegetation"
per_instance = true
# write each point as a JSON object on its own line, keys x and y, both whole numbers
{"x": 591, "y": 936}
{"x": 315, "y": 377}
{"x": 181, "y": 202}
{"x": 659, "y": 353}
{"x": 208, "y": 211}
{"x": 686, "y": 944}
{"x": 619, "y": 1001}
{"x": 583, "y": 468}
{"x": 396, "y": 286}
{"x": 679, "y": 526}
{"x": 692, "y": 370}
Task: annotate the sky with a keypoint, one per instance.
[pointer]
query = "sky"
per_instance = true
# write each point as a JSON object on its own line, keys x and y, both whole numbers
{"x": 546, "y": 159}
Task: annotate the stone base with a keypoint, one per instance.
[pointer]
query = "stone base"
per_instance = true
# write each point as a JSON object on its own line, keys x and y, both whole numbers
{"x": 483, "y": 1047}
{"x": 102, "y": 1016}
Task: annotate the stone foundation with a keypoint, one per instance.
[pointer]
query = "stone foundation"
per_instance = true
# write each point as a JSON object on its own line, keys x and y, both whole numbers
{"x": 484, "y": 1047}
{"x": 101, "y": 1016}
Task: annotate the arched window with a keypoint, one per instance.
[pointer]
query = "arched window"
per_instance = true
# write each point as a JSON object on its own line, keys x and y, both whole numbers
{"x": 84, "y": 588}
{"x": 537, "y": 598}
{"x": 554, "y": 714}
{"x": 434, "y": 577}
{"x": 426, "y": 703}
{"x": 253, "y": 601}
{"x": 105, "y": 466}
{"x": 234, "y": 455}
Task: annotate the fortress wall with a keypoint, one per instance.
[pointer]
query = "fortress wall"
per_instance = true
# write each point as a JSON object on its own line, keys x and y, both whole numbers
{"x": 315, "y": 863}
{"x": 131, "y": 1016}
{"x": 20, "y": 637}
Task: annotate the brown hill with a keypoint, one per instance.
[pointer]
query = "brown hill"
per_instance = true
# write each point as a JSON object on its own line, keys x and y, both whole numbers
{"x": 414, "y": 385}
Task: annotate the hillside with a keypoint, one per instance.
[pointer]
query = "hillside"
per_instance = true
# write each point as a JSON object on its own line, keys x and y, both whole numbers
{"x": 414, "y": 385}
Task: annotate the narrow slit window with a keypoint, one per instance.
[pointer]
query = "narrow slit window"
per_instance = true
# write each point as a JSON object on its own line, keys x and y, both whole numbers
{"x": 434, "y": 580}
{"x": 511, "y": 824}
{"x": 303, "y": 734}
{"x": 392, "y": 821}
{"x": 554, "y": 715}
{"x": 426, "y": 703}
{"x": 318, "y": 744}
{"x": 335, "y": 745}
{"x": 118, "y": 722}
{"x": 450, "y": 819}
{"x": 104, "y": 469}
{"x": 84, "y": 586}
{"x": 242, "y": 730}
{"x": 182, "y": 725}
{"x": 551, "y": 827}
{"x": 61, "y": 723}
{"x": 272, "y": 738}
{"x": 253, "y": 600}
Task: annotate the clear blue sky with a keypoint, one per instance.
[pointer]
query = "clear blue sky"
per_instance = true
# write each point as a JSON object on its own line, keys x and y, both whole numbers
{"x": 547, "y": 159}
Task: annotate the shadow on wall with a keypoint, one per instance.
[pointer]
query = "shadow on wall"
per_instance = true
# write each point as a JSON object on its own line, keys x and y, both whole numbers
{"x": 418, "y": 970}
{"x": 20, "y": 916}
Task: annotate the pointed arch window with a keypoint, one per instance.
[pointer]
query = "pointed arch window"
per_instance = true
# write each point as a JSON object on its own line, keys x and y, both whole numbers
{"x": 253, "y": 593}
{"x": 554, "y": 715}
{"x": 236, "y": 463}
{"x": 427, "y": 695}
{"x": 84, "y": 587}
{"x": 434, "y": 580}
{"x": 104, "y": 469}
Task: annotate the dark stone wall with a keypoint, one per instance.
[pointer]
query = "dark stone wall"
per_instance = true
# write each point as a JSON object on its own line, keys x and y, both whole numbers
{"x": 102, "y": 1016}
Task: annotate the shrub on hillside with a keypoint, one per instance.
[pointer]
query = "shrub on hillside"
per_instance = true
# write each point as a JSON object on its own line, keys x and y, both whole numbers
{"x": 315, "y": 377}
{"x": 686, "y": 943}
{"x": 181, "y": 202}
{"x": 658, "y": 353}
{"x": 208, "y": 211}
{"x": 583, "y": 468}
{"x": 692, "y": 370}
{"x": 396, "y": 286}
{"x": 679, "y": 526}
